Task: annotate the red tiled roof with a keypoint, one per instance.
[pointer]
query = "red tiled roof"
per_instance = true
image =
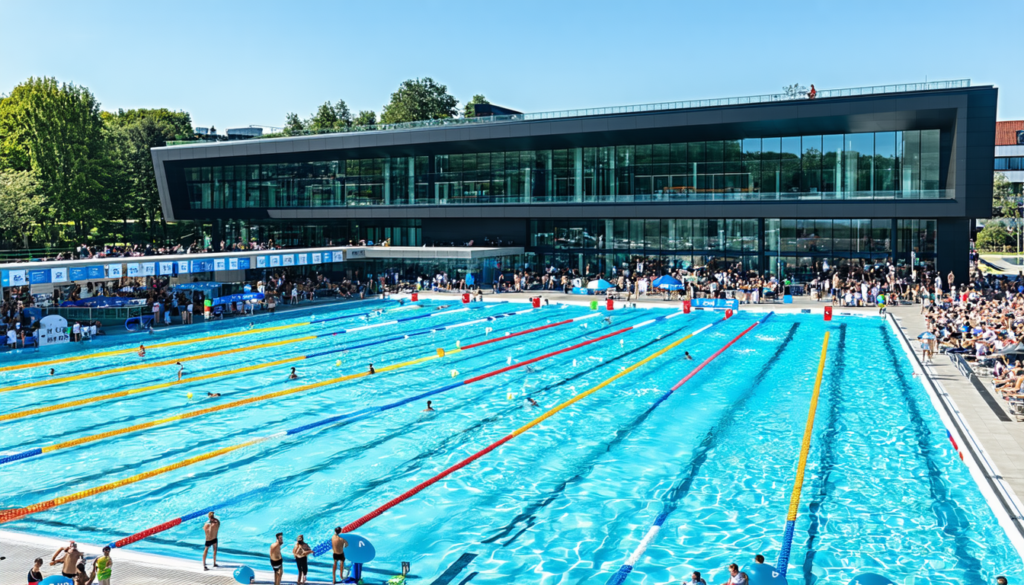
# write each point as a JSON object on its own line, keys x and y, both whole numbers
{"x": 1006, "y": 132}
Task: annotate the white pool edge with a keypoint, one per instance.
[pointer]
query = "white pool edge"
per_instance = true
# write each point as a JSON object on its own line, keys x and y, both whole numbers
{"x": 979, "y": 464}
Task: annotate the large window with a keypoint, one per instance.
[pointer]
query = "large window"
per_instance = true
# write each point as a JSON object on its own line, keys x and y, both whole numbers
{"x": 880, "y": 165}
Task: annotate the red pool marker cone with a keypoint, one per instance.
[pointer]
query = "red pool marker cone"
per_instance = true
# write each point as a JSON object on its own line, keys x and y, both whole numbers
{"x": 686, "y": 307}
{"x": 415, "y": 297}
{"x": 828, "y": 313}
{"x": 609, "y": 304}
{"x": 465, "y": 298}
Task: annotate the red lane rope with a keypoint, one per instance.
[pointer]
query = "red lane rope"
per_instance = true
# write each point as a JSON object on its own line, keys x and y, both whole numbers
{"x": 713, "y": 356}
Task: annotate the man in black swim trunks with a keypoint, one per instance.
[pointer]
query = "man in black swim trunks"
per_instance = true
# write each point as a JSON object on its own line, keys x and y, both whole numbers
{"x": 211, "y": 528}
{"x": 276, "y": 562}
{"x": 338, "y": 545}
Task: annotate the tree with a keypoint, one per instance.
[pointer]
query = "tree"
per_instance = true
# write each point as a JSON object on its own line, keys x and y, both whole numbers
{"x": 20, "y": 205}
{"x": 994, "y": 237}
{"x": 365, "y": 118}
{"x": 468, "y": 110}
{"x": 419, "y": 99}
{"x": 134, "y": 181}
{"x": 1005, "y": 204}
{"x": 173, "y": 125}
{"x": 328, "y": 118}
{"x": 293, "y": 125}
{"x": 794, "y": 91}
{"x": 59, "y": 127}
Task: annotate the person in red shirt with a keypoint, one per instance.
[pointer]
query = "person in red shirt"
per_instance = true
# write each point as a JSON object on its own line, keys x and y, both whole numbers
{"x": 813, "y": 93}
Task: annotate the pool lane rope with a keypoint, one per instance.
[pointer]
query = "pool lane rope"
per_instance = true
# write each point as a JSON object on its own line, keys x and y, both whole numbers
{"x": 16, "y": 513}
{"x": 619, "y": 576}
{"x": 325, "y": 546}
{"x": 805, "y": 448}
{"x": 170, "y": 362}
{"x": 123, "y": 393}
{"x": 13, "y": 457}
{"x": 113, "y": 352}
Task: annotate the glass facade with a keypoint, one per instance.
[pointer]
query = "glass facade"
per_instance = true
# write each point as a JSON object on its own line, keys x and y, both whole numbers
{"x": 298, "y": 233}
{"x": 1010, "y": 163}
{"x": 879, "y": 165}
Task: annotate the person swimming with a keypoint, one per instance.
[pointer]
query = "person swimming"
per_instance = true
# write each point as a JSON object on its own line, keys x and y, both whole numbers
{"x": 213, "y": 394}
{"x": 686, "y": 355}
{"x": 142, "y": 350}
{"x": 52, "y": 371}
{"x": 531, "y": 402}
{"x": 251, "y": 325}
{"x": 429, "y": 408}
{"x": 293, "y": 375}
{"x": 371, "y": 370}
{"x": 608, "y": 320}
{"x": 181, "y": 370}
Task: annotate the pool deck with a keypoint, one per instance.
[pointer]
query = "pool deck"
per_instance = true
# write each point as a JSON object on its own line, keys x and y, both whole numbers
{"x": 997, "y": 438}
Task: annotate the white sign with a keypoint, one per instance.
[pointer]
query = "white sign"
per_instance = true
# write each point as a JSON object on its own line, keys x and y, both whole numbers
{"x": 166, "y": 267}
{"x": 59, "y": 275}
{"x": 183, "y": 267}
{"x": 114, "y": 271}
{"x": 261, "y": 262}
{"x": 18, "y": 277}
{"x": 288, "y": 260}
{"x": 339, "y": 256}
{"x": 134, "y": 270}
{"x": 149, "y": 269}
{"x": 358, "y": 253}
{"x": 303, "y": 259}
{"x": 317, "y": 257}
{"x": 53, "y": 329}
{"x": 275, "y": 261}
{"x": 218, "y": 264}
{"x": 232, "y": 263}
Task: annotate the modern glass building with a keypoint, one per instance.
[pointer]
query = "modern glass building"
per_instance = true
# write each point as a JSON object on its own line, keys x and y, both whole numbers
{"x": 772, "y": 183}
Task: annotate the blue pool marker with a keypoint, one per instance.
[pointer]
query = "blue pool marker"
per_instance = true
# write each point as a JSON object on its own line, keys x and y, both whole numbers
{"x": 244, "y": 575}
{"x": 764, "y": 574}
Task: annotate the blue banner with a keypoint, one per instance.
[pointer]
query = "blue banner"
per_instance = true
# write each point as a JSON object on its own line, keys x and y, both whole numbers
{"x": 244, "y": 263}
{"x": 38, "y": 276}
{"x": 94, "y": 272}
{"x": 78, "y": 273}
{"x": 5, "y": 281}
{"x": 202, "y": 266}
{"x": 733, "y": 304}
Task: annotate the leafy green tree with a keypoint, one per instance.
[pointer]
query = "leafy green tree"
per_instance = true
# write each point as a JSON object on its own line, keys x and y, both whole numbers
{"x": 59, "y": 126}
{"x": 20, "y": 205}
{"x": 1005, "y": 204}
{"x": 134, "y": 181}
{"x": 419, "y": 99}
{"x": 365, "y": 118}
{"x": 331, "y": 118}
{"x": 293, "y": 125}
{"x": 994, "y": 237}
{"x": 173, "y": 125}
{"x": 468, "y": 110}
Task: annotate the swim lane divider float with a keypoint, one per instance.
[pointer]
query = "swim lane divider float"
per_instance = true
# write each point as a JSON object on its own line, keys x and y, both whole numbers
{"x": 620, "y": 576}
{"x": 16, "y": 513}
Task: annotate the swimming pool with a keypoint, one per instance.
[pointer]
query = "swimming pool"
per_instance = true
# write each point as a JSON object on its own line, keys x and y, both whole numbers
{"x": 566, "y": 502}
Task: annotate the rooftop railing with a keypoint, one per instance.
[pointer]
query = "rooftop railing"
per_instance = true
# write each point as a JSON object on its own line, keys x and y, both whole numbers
{"x": 634, "y": 109}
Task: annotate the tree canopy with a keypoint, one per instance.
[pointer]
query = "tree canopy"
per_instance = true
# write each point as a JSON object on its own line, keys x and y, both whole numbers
{"x": 365, "y": 118}
{"x": 419, "y": 99}
{"x": 468, "y": 110}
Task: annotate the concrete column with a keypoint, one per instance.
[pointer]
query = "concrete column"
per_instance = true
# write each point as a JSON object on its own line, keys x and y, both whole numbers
{"x": 387, "y": 181}
{"x": 952, "y": 248}
{"x": 578, "y": 182}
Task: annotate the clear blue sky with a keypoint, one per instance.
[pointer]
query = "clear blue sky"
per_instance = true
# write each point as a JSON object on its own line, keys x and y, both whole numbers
{"x": 235, "y": 63}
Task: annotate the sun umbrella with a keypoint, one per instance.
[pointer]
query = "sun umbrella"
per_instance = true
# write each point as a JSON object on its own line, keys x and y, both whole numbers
{"x": 926, "y": 335}
{"x": 599, "y": 284}
{"x": 668, "y": 283}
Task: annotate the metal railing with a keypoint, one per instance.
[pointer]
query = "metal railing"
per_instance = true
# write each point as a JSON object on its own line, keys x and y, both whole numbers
{"x": 633, "y": 109}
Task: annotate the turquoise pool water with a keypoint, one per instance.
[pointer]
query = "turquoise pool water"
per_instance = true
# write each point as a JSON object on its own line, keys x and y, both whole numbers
{"x": 565, "y": 503}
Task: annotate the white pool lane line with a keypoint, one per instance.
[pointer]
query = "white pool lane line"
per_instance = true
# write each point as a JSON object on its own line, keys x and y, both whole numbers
{"x": 1000, "y": 496}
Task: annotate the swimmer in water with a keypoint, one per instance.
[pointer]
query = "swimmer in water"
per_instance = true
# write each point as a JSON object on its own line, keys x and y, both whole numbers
{"x": 531, "y": 402}
{"x": 181, "y": 370}
{"x": 293, "y": 375}
{"x": 686, "y": 355}
{"x": 51, "y": 371}
{"x": 142, "y": 350}
{"x": 371, "y": 370}
{"x": 250, "y": 325}
{"x": 213, "y": 394}
{"x": 530, "y": 369}
{"x": 429, "y": 408}
{"x": 608, "y": 320}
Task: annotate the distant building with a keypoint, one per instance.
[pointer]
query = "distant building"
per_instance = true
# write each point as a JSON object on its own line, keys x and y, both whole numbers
{"x": 1010, "y": 153}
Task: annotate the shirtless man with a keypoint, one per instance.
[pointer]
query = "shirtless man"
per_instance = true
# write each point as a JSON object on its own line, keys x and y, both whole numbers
{"x": 276, "y": 562}
{"x": 293, "y": 375}
{"x": 181, "y": 370}
{"x": 338, "y": 545}
{"x": 69, "y": 561}
{"x": 429, "y": 408}
{"x": 142, "y": 350}
{"x": 211, "y": 528}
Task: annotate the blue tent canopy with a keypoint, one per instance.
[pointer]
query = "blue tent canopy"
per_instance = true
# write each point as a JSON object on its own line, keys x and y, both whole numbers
{"x": 667, "y": 283}
{"x": 600, "y": 284}
{"x": 237, "y": 298}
